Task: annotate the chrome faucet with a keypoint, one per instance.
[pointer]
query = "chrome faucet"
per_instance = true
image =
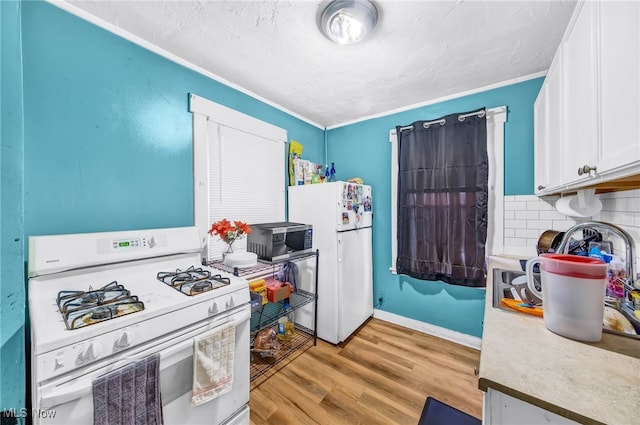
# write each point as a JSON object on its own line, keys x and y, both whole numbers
{"x": 630, "y": 256}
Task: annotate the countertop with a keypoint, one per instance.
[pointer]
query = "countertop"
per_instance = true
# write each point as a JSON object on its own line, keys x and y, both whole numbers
{"x": 583, "y": 381}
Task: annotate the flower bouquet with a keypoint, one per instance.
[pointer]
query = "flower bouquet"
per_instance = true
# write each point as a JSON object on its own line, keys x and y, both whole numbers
{"x": 228, "y": 232}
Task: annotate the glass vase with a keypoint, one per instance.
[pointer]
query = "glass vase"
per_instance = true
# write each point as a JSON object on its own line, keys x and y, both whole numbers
{"x": 229, "y": 250}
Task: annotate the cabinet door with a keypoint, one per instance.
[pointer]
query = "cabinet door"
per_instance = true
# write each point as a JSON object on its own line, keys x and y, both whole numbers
{"x": 540, "y": 135}
{"x": 500, "y": 408}
{"x": 619, "y": 85}
{"x": 580, "y": 95}
{"x": 549, "y": 155}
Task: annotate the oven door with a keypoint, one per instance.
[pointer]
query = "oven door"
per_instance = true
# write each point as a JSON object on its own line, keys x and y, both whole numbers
{"x": 69, "y": 399}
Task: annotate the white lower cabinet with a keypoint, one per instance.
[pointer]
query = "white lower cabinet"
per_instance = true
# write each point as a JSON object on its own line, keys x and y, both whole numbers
{"x": 500, "y": 408}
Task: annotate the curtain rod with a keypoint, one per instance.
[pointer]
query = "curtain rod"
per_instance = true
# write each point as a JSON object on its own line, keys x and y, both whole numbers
{"x": 478, "y": 113}
{"x": 442, "y": 121}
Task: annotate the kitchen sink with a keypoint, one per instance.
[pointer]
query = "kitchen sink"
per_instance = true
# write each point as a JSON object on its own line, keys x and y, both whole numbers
{"x": 513, "y": 284}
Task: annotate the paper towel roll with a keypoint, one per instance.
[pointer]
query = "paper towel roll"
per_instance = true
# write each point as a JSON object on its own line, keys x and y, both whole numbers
{"x": 586, "y": 204}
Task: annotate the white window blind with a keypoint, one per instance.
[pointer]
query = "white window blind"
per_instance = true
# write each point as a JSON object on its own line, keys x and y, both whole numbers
{"x": 239, "y": 171}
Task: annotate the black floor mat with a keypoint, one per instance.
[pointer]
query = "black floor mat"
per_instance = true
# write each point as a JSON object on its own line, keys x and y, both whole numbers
{"x": 438, "y": 413}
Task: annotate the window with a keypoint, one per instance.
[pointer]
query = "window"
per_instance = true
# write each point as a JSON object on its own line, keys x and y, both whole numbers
{"x": 239, "y": 170}
{"x": 496, "y": 117}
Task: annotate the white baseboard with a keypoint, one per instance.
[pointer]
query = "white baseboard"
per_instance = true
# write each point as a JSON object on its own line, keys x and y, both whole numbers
{"x": 416, "y": 325}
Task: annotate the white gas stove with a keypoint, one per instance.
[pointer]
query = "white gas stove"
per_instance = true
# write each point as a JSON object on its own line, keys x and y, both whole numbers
{"x": 99, "y": 301}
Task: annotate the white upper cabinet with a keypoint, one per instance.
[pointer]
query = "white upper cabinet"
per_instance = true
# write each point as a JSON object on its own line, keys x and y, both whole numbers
{"x": 548, "y": 121}
{"x": 592, "y": 129}
{"x": 540, "y": 126}
{"x": 579, "y": 147}
{"x": 619, "y": 86}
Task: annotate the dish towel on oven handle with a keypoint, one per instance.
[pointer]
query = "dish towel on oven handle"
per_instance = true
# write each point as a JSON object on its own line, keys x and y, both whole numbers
{"x": 213, "y": 353}
{"x": 129, "y": 395}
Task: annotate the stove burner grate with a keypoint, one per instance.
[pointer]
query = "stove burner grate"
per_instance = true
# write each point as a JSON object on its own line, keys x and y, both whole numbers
{"x": 178, "y": 277}
{"x": 82, "y": 308}
{"x": 101, "y": 313}
{"x": 74, "y": 299}
{"x": 222, "y": 281}
{"x": 76, "y": 319}
{"x": 193, "y": 281}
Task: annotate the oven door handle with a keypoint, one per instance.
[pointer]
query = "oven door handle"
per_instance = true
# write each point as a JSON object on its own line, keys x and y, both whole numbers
{"x": 183, "y": 350}
{"x": 75, "y": 391}
{"x": 84, "y": 387}
{"x": 168, "y": 351}
{"x": 168, "y": 357}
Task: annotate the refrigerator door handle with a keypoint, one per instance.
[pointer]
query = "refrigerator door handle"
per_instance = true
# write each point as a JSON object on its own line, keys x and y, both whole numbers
{"x": 339, "y": 249}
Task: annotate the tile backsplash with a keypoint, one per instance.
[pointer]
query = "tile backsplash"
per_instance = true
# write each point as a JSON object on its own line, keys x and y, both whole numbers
{"x": 527, "y": 216}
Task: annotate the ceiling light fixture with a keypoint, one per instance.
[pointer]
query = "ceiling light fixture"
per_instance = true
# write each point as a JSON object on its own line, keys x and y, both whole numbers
{"x": 348, "y": 21}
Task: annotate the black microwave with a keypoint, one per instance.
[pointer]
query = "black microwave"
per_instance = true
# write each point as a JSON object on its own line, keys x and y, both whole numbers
{"x": 280, "y": 241}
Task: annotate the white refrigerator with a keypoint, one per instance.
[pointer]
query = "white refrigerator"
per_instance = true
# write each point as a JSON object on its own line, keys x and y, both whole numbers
{"x": 341, "y": 214}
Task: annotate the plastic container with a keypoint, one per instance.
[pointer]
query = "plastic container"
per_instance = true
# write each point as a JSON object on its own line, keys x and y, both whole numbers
{"x": 601, "y": 251}
{"x": 635, "y": 298}
{"x": 256, "y": 302}
{"x": 260, "y": 288}
{"x": 332, "y": 172}
{"x": 615, "y": 275}
{"x": 286, "y": 324}
{"x": 573, "y": 291}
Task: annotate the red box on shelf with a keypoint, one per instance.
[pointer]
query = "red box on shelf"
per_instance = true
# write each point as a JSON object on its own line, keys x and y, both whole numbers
{"x": 277, "y": 290}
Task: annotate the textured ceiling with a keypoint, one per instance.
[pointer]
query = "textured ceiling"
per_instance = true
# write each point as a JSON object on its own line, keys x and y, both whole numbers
{"x": 420, "y": 50}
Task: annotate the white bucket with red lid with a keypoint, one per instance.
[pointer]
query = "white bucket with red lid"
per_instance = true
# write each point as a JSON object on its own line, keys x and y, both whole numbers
{"x": 573, "y": 290}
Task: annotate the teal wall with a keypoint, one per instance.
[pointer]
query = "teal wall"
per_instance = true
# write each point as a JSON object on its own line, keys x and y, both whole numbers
{"x": 107, "y": 144}
{"x": 107, "y": 128}
{"x": 12, "y": 288}
{"x": 363, "y": 150}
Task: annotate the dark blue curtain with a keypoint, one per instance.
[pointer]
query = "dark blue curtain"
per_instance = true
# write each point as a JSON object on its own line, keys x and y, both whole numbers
{"x": 442, "y": 199}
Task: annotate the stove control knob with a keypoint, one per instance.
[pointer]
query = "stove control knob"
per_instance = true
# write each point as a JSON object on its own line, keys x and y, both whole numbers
{"x": 90, "y": 353}
{"x": 230, "y": 302}
{"x": 125, "y": 339}
{"x": 213, "y": 309}
{"x": 59, "y": 362}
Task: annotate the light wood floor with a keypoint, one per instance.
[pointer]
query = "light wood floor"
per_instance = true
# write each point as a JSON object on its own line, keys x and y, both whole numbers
{"x": 382, "y": 375}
